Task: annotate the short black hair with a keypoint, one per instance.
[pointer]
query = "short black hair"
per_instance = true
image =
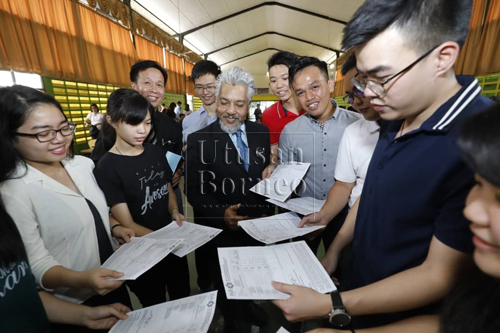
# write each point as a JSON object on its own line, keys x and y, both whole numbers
{"x": 304, "y": 62}
{"x": 142, "y": 66}
{"x": 285, "y": 58}
{"x": 478, "y": 142}
{"x": 349, "y": 64}
{"x": 127, "y": 105}
{"x": 426, "y": 23}
{"x": 93, "y": 104}
{"x": 204, "y": 67}
{"x": 179, "y": 102}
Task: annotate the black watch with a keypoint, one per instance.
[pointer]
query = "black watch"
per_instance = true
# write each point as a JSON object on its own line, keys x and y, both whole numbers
{"x": 338, "y": 315}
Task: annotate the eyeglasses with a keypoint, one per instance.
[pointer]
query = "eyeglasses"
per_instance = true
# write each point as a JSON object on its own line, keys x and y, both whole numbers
{"x": 209, "y": 89}
{"x": 349, "y": 98}
{"x": 378, "y": 87}
{"x": 50, "y": 135}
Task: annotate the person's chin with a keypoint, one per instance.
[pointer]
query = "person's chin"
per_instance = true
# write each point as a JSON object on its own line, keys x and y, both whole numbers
{"x": 488, "y": 262}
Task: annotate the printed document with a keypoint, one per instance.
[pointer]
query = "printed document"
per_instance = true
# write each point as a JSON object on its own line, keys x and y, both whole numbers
{"x": 191, "y": 314}
{"x": 282, "y": 330}
{"x": 193, "y": 236}
{"x": 272, "y": 229}
{"x": 247, "y": 272}
{"x": 303, "y": 205}
{"x": 173, "y": 160}
{"x": 283, "y": 181}
{"x": 139, "y": 255}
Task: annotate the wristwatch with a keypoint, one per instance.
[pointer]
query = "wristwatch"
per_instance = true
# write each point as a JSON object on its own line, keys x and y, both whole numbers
{"x": 338, "y": 315}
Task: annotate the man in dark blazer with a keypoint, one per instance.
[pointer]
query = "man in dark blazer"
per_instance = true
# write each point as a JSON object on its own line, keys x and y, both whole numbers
{"x": 223, "y": 161}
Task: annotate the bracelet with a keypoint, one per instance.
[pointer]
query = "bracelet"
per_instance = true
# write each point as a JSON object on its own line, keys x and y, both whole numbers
{"x": 116, "y": 225}
{"x": 173, "y": 211}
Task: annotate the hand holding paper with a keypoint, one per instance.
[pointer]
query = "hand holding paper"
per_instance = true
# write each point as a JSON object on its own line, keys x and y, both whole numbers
{"x": 276, "y": 228}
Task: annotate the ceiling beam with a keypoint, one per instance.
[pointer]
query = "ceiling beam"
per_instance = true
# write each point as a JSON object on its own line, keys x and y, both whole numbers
{"x": 270, "y": 3}
{"x": 273, "y": 33}
{"x": 249, "y": 55}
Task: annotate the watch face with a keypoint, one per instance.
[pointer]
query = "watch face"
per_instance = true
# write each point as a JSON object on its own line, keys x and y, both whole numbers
{"x": 340, "y": 318}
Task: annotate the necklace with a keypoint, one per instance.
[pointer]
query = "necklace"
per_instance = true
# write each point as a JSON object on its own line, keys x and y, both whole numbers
{"x": 118, "y": 150}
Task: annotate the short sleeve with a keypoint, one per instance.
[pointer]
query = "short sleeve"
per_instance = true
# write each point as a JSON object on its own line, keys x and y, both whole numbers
{"x": 110, "y": 183}
{"x": 451, "y": 227}
{"x": 267, "y": 120}
{"x": 284, "y": 147}
{"x": 344, "y": 170}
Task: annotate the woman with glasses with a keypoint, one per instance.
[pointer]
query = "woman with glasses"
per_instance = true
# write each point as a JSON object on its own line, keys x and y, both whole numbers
{"x": 55, "y": 202}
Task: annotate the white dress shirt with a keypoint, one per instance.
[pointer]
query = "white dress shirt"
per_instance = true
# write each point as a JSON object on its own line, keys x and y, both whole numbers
{"x": 56, "y": 224}
{"x": 355, "y": 152}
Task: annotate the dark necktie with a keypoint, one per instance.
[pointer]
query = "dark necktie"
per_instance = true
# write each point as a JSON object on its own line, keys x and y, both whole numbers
{"x": 242, "y": 147}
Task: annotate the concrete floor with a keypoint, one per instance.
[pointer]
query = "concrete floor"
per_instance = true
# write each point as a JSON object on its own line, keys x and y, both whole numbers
{"x": 276, "y": 316}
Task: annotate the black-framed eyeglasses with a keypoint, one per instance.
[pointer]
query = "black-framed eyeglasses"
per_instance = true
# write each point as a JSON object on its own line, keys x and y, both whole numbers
{"x": 210, "y": 88}
{"x": 378, "y": 87}
{"x": 50, "y": 135}
{"x": 349, "y": 98}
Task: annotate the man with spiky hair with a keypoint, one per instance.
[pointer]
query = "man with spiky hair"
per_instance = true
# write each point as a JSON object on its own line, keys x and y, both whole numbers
{"x": 287, "y": 109}
{"x": 410, "y": 239}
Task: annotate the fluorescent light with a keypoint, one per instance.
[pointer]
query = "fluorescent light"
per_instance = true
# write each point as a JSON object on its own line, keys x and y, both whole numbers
{"x": 29, "y": 80}
{"x": 6, "y": 79}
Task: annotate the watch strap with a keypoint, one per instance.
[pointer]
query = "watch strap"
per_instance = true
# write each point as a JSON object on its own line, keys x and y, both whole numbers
{"x": 337, "y": 300}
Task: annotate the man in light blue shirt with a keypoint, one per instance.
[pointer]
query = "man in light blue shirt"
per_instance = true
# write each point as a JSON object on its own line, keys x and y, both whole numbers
{"x": 315, "y": 137}
{"x": 204, "y": 78}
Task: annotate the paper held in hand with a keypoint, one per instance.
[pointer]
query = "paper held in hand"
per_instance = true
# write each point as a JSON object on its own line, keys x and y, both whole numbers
{"x": 139, "y": 255}
{"x": 190, "y": 314}
{"x": 276, "y": 228}
{"x": 193, "y": 236}
{"x": 302, "y": 205}
{"x": 283, "y": 181}
{"x": 247, "y": 272}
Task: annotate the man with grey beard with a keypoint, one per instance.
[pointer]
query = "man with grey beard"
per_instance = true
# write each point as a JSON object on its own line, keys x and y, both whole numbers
{"x": 223, "y": 161}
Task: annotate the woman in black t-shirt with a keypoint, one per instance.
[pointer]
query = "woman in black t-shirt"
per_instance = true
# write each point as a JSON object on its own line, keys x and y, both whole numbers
{"x": 135, "y": 179}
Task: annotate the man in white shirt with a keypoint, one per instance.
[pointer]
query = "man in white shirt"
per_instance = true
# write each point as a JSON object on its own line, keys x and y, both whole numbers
{"x": 177, "y": 109}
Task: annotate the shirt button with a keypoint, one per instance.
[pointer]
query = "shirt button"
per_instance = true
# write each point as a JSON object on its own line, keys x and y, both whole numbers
{"x": 370, "y": 191}
{"x": 325, "y": 133}
{"x": 325, "y": 149}
{"x": 324, "y": 165}
{"x": 324, "y": 180}
{"x": 380, "y": 166}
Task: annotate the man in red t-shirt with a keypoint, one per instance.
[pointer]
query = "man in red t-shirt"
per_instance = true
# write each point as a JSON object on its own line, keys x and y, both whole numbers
{"x": 286, "y": 110}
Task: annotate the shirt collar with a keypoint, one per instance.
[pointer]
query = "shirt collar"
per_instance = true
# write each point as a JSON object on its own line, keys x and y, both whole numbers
{"x": 243, "y": 128}
{"x": 372, "y": 126}
{"x": 30, "y": 174}
{"x": 202, "y": 109}
{"x": 333, "y": 116}
{"x": 446, "y": 113}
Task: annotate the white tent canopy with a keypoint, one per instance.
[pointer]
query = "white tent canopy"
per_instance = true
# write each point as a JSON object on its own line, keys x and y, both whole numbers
{"x": 246, "y": 33}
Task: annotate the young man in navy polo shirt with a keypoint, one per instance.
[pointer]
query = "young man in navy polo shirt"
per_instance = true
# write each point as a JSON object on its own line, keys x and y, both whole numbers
{"x": 411, "y": 239}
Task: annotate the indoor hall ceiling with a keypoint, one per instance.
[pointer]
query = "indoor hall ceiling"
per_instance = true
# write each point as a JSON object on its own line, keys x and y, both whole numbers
{"x": 312, "y": 27}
